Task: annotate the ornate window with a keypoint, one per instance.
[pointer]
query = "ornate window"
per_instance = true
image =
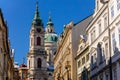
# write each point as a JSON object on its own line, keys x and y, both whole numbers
{"x": 39, "y": 63}
{"x": 38, "y": 41}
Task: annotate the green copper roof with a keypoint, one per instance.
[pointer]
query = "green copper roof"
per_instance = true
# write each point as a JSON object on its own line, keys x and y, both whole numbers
{"x": 51, "y": 37}
{"x": 37, "y": 21}
{"x": 50, "y": 23}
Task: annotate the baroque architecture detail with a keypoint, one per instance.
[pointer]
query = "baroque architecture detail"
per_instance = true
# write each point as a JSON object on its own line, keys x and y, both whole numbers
{"x": 37, "y": 64}
{"x": 42, "y": 49}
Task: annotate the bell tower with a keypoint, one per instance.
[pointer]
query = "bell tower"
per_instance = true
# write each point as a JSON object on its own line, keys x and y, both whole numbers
{"x": 37, "y": 65}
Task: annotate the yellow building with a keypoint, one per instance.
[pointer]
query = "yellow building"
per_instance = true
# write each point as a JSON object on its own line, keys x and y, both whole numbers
{"x": 16, "y": 71}
{"x": 6, "y": 61}
{"x": 23, "y": 71}
{"x": 63, "y": 59}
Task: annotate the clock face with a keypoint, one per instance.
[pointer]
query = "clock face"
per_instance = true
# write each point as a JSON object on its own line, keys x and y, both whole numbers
{"x": 38, "y": 29}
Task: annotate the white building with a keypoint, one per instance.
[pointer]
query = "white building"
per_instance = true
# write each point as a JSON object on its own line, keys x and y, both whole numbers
{"x": 104, "y": 40}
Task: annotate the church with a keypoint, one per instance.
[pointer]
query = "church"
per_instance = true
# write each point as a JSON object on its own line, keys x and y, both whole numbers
{"x": 43, "y": 45}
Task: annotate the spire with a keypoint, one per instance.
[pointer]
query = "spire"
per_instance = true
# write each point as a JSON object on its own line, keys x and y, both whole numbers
{"x": 37, "y": 20}
{"x": 50, "y": 23}
{"x": 50, "y": 28}
{"x": 37, "y": 12}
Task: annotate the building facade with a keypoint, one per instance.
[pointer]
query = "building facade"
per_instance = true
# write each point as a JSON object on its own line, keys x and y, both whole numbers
{"x": 103, "y": 34}
{"x": 99, "y": 45}
{"x": 37, "y": 57}
{"x": 82, "y": 58}
{"x": 43, "y": 45}
{"x": 6, "y": 62}
{"x": 23, "y": 72}
{"x": 51, "y": 39}
{"x": 16, "y": 72}
{"x": 63, "y": 57}
{"x": 114, "y": 30}
{"x": 64, "y": 61}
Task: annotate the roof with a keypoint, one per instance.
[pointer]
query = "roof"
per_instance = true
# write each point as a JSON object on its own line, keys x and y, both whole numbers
{"x": 23, "y": 65}
{"x": 51, "y": 37}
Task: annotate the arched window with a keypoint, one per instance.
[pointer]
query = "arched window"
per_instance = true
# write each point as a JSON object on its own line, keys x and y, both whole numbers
{"x": 39, "y": 63}
{"x": 38, "y": 41}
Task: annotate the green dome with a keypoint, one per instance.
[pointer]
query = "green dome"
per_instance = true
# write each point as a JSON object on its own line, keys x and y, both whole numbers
{"x": 51, "y": 37}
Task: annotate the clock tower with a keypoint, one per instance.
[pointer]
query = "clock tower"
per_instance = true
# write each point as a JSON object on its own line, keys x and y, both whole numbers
{"x": 36, "y": 58}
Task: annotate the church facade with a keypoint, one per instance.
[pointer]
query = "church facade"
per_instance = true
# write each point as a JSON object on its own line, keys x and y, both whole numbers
{"x": 41, "y": 50}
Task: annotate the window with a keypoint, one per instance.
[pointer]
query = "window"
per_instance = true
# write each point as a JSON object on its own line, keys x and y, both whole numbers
{"x": 105, "y": 22}
{"x": 118, "y": 4}
{"x": 79, "y": 63}
{"x": 113, "y": 42}
{"x": 112, "y": 11}
{"x": 87, "y": 57}
{"x": 93, "y": 35}
{"x": 100, "y": 28}
{"x": 38, "y": 41}
{"x": 99, "y": 52}
{"x": 106, "y": 50}
{"x": 83, "y": 60}
{"x": 39, "y": 62}
{"x": 91, "y": 60}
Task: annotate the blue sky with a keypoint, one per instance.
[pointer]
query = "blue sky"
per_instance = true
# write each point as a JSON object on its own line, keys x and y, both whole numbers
{"x": 19, "y": 15}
